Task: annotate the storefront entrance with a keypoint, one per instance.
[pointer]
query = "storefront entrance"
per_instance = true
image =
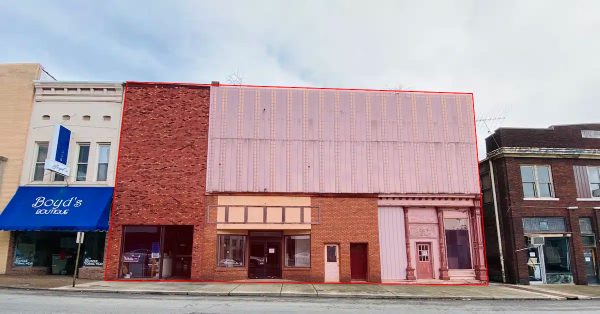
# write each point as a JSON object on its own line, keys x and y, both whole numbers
{"x": 265, "y": 255}
{"x": 157, "y": 252}
{"x": 548, "y": 259}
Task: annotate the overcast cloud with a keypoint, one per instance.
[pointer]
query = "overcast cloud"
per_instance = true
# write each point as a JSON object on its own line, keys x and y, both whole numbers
{"x": 537, "y": 63}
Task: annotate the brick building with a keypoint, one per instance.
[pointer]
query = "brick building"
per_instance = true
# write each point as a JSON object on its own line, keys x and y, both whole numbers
{"x": 541, "y": 200}
{"x": 235, "y": 182}
{"x": 47, "y": 209}
{"x": 16, "y": 94}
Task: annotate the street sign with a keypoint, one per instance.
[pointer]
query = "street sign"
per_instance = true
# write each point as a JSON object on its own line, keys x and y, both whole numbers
{"x": 80, "y": 236}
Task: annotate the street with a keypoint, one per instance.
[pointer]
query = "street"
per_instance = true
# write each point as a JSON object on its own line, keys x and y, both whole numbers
{"x": 22, "y": 301}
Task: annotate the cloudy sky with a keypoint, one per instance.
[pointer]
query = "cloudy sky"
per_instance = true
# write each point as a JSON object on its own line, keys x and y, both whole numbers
{"x": 535, "y": 63}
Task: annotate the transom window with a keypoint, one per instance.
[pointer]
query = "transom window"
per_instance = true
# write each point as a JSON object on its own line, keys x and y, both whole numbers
{"x": 537, "y": 181}
{"x": 594, "y": 178}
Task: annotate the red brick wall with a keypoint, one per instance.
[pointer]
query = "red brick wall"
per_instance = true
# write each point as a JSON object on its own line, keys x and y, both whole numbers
{"x": 162, "y": 164}
{"x": 513, "y": 208}
{"x": 343, "y": 220}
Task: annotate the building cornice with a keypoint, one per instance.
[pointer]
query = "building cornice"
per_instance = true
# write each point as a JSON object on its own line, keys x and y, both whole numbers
{"x": 78, "y": 91}
{"x": 543, "y": 152}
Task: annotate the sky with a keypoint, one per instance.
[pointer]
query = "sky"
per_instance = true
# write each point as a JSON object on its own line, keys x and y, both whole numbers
{"x": 528, "y": 63}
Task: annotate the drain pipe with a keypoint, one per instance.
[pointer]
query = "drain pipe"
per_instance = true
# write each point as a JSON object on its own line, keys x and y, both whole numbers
{"x": 497, "y": 220}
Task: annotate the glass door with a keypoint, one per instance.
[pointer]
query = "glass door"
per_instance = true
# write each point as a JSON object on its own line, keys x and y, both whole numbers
{"x": 265, "y": 258}
{"x": 590, "y": 264}
{"x": 535, "y": 265}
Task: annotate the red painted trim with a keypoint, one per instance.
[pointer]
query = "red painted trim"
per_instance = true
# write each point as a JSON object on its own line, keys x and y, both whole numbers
{"x": 112, "y": 211}
{"x": 480, "y": 194}
{"x": 300, "y": 87}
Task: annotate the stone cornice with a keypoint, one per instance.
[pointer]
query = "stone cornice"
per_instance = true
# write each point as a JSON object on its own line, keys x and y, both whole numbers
{"x": 544, "y": 152}
{"x": 78, "y": 91}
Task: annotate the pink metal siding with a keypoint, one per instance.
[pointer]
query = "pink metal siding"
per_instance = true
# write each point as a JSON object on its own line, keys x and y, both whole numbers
{"x": 392, "y": 243}
{"x": 339, "y": 141}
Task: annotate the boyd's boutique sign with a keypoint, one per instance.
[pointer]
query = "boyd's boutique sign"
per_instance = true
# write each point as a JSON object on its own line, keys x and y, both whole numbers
{"x": 50, "y": 206}
{"x": 58, "y": 208}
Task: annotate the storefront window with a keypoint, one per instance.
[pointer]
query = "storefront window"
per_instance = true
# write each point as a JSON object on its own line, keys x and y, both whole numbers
{"x": 458, "y": 248}
{"x": 231, "y": 250}
{"x": 556, "y": 260}
{"x": 297, "y": 251}
{"x": 93, "y": 249}
{"x": 57, "y": 250}
{"x": 141, "y": 252}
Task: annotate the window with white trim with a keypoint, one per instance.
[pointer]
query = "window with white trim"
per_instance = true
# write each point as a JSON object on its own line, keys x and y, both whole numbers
{"x": 41, "y": 152}
{"x": 103, "y": 154}
{"x": 594, "y": 179}
{"x": 537, "y": 181}
{"x": 82, "y": 161}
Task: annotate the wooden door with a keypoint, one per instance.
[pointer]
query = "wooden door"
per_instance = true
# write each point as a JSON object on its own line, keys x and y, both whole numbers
{"x": 332, "y": 263}
{"x": 358, "y": 261}
{"x": 424, "y": 261}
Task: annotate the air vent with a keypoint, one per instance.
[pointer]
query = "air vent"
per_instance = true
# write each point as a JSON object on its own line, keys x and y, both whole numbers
{"x": 86, "y": 118}
{"x": 66, "y": 117}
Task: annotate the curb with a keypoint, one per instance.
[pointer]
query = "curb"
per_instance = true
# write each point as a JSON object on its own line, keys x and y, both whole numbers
{"x": 280, "y": 295}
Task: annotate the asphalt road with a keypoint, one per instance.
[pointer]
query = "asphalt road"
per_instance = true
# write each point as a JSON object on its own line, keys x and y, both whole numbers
{"x": 20, "y": 301}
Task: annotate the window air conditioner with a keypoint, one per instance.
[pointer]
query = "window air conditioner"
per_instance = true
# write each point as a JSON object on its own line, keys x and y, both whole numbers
{"x": 537, "y": 241}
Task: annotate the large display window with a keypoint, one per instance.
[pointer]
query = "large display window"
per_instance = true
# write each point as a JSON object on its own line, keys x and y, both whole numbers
{"x": 297, "y": 251}
{"x": 156, "y": 252}
{"x": 56, "y": 250}
{"x": 458, "y": 248}
{"x": 231, "y": 250}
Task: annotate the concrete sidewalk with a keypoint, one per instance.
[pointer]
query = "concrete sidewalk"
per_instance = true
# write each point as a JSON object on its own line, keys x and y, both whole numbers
{"x": 290, "y": 289}
{"x": 491, "y": 292}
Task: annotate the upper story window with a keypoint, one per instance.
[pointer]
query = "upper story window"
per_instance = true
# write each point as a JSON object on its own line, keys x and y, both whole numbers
{"x": 40, "y": 159}
{"x": 103, "y": 154}
{"x": 82, "y": 161}
{"x": 594, "y": 179}
{"x": 537, "y": 181}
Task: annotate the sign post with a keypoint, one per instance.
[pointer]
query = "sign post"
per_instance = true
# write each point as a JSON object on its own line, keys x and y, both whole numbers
{"x": 79, "y": 241}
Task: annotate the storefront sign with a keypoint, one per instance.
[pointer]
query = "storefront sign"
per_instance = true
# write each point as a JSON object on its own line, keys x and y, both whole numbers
{"x": 58, "y": 151}
{"x": 92, "y": 262}
{"x": 130, "y": 257}
{"x": 155, "y": 250}
{"x": 50, "y": 206}
{"x": 58, "y": 208}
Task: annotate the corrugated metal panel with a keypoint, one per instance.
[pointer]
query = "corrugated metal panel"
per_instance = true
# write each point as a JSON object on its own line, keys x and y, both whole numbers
{"x": 582, "y": 182}
{"x": 339, "y": 141}
{"x": 392, "y": 243}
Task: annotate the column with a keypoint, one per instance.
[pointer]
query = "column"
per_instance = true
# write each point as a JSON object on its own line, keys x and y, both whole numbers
{"x": 410, "y": 271}
{"x": 480, "y": 270}
{"x": 442, "y": 240}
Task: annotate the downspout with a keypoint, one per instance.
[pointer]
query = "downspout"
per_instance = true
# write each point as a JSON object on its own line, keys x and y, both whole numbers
{"x": 499, "y": 234}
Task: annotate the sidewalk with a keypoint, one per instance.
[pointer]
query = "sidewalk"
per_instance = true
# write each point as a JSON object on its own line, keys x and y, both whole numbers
{"x": 377, "y": 291}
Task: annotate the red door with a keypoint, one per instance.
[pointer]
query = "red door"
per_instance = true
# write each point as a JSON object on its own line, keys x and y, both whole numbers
{"x": 424, "y": 262}
{"x": 358, "y": 261}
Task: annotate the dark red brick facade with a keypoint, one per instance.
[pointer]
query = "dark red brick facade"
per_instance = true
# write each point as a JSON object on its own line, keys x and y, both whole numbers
{"x": 161, "y": 173}
{"x": 512, "y": 207}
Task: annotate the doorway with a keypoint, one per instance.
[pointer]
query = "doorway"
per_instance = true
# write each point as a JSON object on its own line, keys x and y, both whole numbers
{"x": 590, "y": 264}
{"x": 156, "y": 252}
{"x": 358, "y": 261}
{"x": 332, "y": 263}
{"x": 424, "y": 261}
{"x": 265, "y": 255}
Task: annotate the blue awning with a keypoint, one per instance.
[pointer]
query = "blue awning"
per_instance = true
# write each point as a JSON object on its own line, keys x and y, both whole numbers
{"x": 58, "y": 208}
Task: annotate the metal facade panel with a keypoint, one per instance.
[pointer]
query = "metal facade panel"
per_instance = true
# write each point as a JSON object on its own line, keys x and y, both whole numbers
{"x": 392, "y": 244}
{"x": 582, "y": 182}
{"x": 340, "y": 141}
